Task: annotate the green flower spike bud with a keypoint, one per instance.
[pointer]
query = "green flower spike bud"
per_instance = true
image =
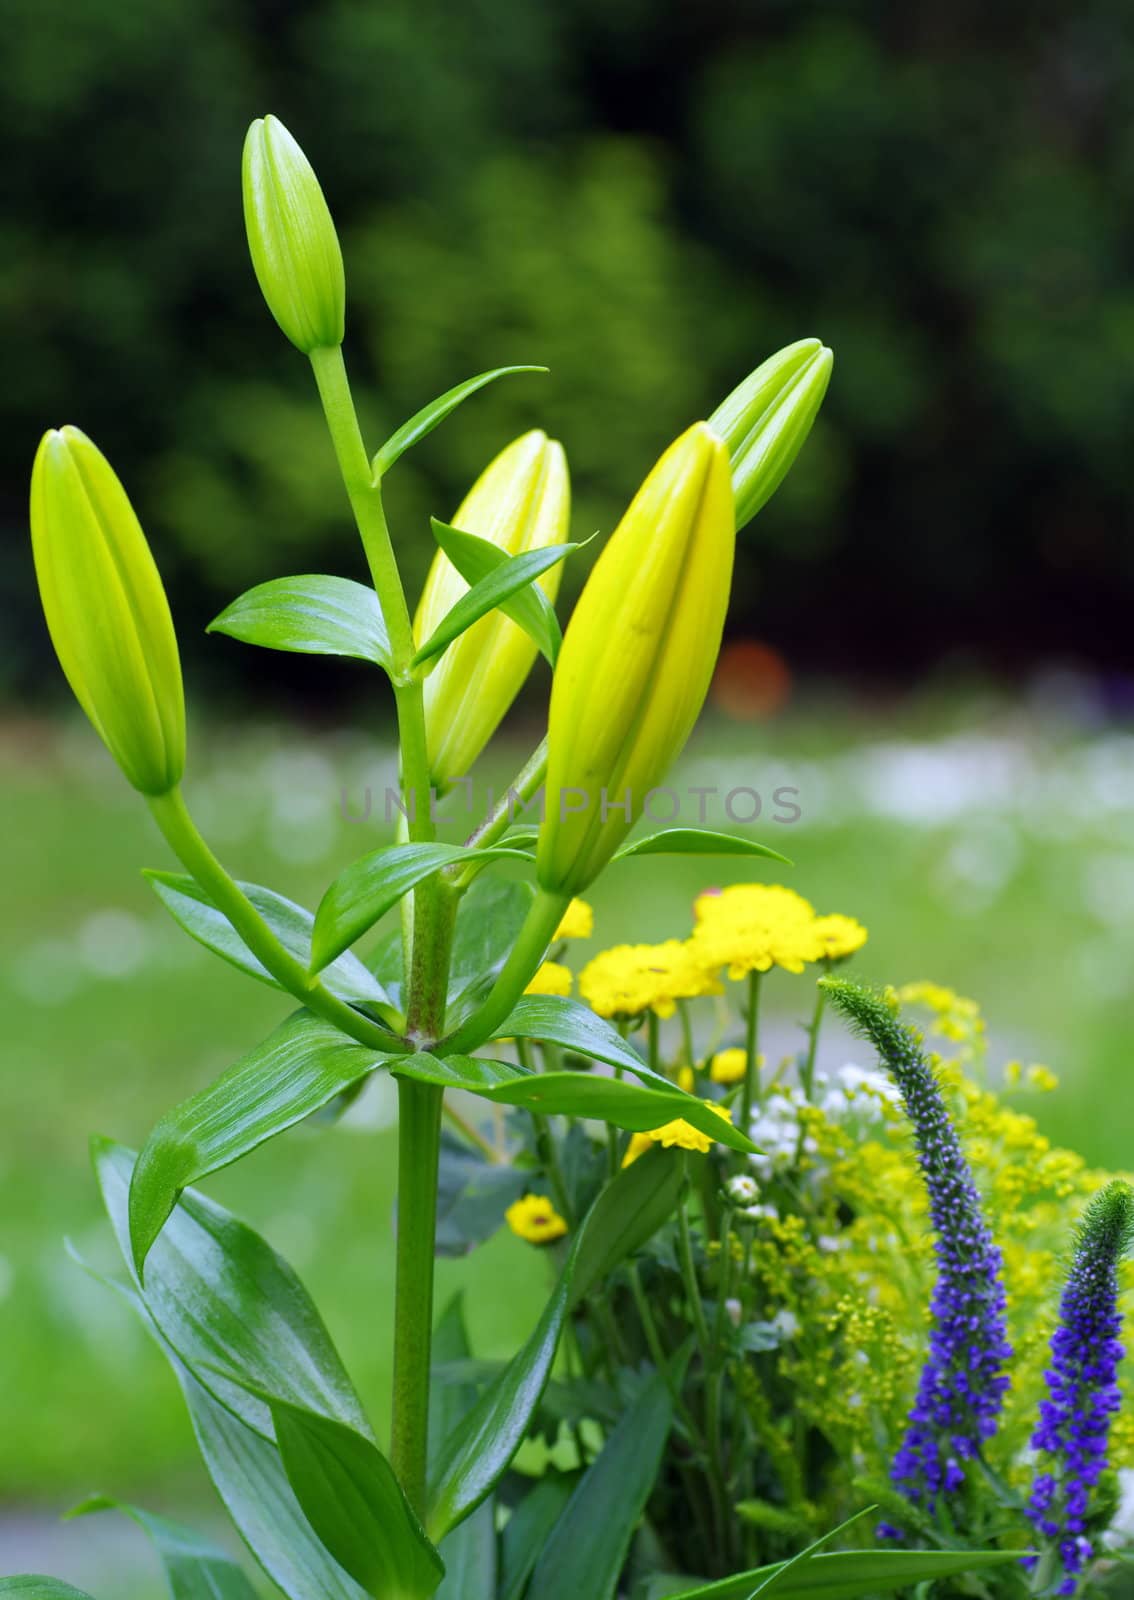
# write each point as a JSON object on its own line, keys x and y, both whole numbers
{"x": 106, "y": 610}
{"x": 521, "y": 502}
{"x": 637, "y": 658}
{"x": 295, "y": 249}
{"x": 765, "y": 421}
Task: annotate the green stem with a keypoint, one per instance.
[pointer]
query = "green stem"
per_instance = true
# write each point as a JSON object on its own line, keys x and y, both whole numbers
{"x": 524, "y": 785}
{"x": 419, "y": 1125}
{"x": 653, "y": 1040}
{"x": 545, "y": 1147}
{"x": 689, "y": 1275}
{"x": 473, "y": 1134}
{"x": 751, "y": 1091}
{"x": 687, "y": 1032}
{"x": 172, "y": 816}
{"x": 658, "y": 1355}
{"x": 369, "y": 514}
{"x": 544, "y": 916}
{"x": 434, "y": 913}
{"x": 813, "y": 1038}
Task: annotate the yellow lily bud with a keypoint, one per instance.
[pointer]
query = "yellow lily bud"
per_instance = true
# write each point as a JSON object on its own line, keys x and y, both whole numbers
{"x": 106, "y": 609}
{"x": 521, "y": 502}
{"x": 294, "y": 246}
{"x": 766, "y": 419}
{"x": 637, "y": 658}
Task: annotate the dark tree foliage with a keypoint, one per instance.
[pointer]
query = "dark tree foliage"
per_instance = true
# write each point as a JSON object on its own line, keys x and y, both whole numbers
{"x": 649, "y": 198}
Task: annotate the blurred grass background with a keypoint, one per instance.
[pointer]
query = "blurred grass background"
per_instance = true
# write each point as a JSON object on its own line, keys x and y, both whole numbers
{"x": 929, "y": 635}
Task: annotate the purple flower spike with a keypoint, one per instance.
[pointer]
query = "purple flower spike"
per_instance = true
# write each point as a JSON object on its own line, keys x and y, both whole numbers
{"x": 1082, "y": 1387}
{"x": 963, "y": 1381}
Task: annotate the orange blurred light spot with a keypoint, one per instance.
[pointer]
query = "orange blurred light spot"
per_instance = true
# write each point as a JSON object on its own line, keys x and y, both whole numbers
{"x": 752, "y": 681}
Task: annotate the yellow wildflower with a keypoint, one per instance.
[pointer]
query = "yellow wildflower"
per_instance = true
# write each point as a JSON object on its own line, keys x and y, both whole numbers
{"x": 730, "y": 1066}
{"x": 632, "y": 978}
{"x": 535, "y": 1219}
{"x": 678, "y": 1132}
{"x": 578, "y": 921}
{"x": 1043, "y": 1079}
{"x": 552, "y": 978}
{"x": 837, "y": 937}
{"x": 751, "y": 927}
{"x": 686, "y": 1078}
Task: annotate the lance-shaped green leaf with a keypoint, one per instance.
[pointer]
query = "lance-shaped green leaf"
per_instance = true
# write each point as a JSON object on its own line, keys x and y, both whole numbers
{"x": 195, "y": 1568}
{"x": 224, "y": 1301}
{"x": 424, "y": 421}
{"x": 513, "y": 574}
{"x": 370, "y": 886}
{"x": 790, "y": 1570}
{"x": 697, "y": 842}
{"x": 489, "y": 920}
{"x": 352, "y": 1499}
{"x": 629, "y": 1211}
{"x": 841, "y": 1575}
{"x": 469, "y": 1552}
{"x": 587, "y": 1548}
{"x": 296, "y": 1070}
{"x": 475, "y": 559}
{"x": 190, "y": 907}
{"x": 574, "y": 1094}
{"x": 529, "y": 1528}
{"x": 313, "y": 614}
{"x": 33, "y": 1586}
{"x": 574, "y": 1026}
{"x": 249, "y": 1477}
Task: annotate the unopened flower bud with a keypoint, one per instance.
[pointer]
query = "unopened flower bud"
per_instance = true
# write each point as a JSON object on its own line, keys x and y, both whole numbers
{"x": 742, "y": 1190}
{"x": 637, "y": 658}
{"x": 520, "y": 502}
{"x": 106, "y": 609}
{"x": 294, "y": 246}
{"x": 766, "y": 419}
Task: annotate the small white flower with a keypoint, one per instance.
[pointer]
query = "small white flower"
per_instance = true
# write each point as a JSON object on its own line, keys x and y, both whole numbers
{"x": 787, "y": 1322}
{"x": 743, "y": 1191}
{"x": 734, "y": 1311}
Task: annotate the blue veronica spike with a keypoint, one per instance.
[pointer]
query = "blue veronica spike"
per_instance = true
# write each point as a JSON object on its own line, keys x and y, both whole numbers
{"x": 1082, "y": 1386}
{"x": 963, "y": 1382}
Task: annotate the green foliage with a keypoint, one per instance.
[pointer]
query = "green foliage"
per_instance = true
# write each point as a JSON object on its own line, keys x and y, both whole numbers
{"x": 195, "y": 1568}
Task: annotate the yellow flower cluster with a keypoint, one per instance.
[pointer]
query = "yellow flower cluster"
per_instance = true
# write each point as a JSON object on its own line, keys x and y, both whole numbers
{"x": 679, "y": 1132}
{"x": 631, "y": 979}
{"x": 729, "y": 1066}
{"x": 752, "y": 927}
{"x": 552, "y": 978}
{"x": 535, "y": 1219}
{"x": 578, "y": 921}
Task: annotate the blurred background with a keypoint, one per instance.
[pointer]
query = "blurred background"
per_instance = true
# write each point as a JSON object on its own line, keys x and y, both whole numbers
{"x": 930, "y": 631}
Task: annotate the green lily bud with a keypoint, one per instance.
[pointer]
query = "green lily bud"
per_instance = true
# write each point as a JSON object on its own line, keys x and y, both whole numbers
{"x": 521, "y": 502}
{"x": 106, "y": 609}
{"x": 295, "y": 249}
{"x": 765, "y": 420}
{"x": 637, "y": 658}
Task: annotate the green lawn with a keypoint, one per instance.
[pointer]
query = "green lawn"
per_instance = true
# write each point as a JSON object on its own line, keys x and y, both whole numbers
{"x": 982, "y": 848}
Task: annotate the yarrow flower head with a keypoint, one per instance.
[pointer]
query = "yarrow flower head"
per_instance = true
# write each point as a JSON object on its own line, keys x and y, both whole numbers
{"x": 577, "y": 922}
{"x": 752, "y": 927}
{"x": 963, "y": 1382}
{"x": 729, "y": 1066}
{"x": 535, "y": 1219}
{"x": 677, "y": 1133}
{"x": 1082, "y": 1388}
{"x": 634, "y": 978}
{"x": 837, "y": 937}
{"x": 552, "y": 977}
